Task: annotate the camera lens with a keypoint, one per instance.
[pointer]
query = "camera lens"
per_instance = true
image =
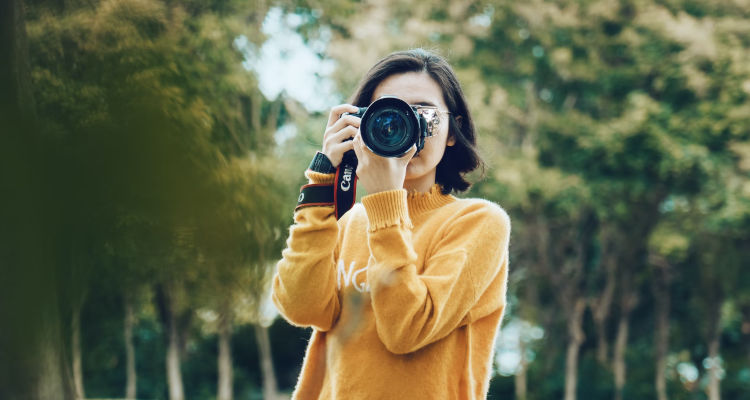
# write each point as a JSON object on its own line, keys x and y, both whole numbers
{"x": 390, "y": 127}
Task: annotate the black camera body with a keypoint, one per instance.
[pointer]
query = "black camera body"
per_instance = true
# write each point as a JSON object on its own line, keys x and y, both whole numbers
{"x": 390, "y": 126}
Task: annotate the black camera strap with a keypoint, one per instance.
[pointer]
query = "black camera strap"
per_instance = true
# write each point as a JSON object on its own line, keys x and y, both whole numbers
{"x": 341, "y": 197}
{"x": 315, "y": 194}
{"x": 345, "y": 192}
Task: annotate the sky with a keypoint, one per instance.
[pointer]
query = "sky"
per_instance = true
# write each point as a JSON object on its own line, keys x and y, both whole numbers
{"x": 285, "y": 63}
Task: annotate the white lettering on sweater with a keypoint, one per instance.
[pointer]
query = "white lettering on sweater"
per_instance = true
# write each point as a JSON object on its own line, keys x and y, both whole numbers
{"x": 350, "y": 277}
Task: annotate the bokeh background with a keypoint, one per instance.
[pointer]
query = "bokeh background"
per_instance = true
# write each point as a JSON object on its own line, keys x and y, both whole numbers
{"x": 151, "y": 152}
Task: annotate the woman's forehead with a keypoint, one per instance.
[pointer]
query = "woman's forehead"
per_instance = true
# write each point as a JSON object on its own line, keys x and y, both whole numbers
{"x": 416, "y": 88}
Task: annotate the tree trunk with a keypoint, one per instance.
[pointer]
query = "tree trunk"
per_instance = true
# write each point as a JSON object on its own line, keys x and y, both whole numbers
{"x": 76, "y": 352}
{"x": 270, "y": 391}
{"x": 662, "y": 346}
{"x": 575, "y": 339}
{"x": 225, "y": 357}
{"x": 167, "y": 303}
{"x": 16, "y": 95}
{"x": 130, "y": 374}
{"x": 520, "y": 376}
{"x": 714, "y": 381}
{"x": 660, "y": 288}
{"x": 174, "y": 374}
{"x": 714, "y": 354}
{"x": 620, "y": 348}
{"x": 745, "y": 329}
{"x": 621, "y": 342}
{"x": 602, "y": 306}
{"x": 601, "y": 311}
{"x": 51, "y": 382}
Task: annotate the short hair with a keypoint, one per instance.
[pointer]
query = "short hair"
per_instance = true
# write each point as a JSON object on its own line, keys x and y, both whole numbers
{"x": 459, "y": 159}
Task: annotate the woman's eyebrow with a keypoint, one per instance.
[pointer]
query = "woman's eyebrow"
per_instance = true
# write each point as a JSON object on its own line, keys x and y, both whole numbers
{"x": 424, "y": 103}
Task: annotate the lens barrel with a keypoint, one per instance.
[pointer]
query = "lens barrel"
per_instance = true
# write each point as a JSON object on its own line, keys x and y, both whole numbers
{"x": 390, "y": 126}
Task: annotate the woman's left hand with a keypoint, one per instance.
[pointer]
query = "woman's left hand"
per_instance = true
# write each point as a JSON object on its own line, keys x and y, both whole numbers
{"x": 380, "y": 174}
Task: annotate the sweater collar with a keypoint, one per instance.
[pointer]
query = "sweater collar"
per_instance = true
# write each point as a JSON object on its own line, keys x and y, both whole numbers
{"x": 420, "y": 202}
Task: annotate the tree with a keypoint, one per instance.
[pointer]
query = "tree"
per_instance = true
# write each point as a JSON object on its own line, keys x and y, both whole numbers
{"x": 142, "y": 134}
{"x": 29, "y": 302}
{"x": 625, "y": 95}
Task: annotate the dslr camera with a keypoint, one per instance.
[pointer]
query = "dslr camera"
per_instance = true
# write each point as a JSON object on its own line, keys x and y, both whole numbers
{"x": 390, "y": 126}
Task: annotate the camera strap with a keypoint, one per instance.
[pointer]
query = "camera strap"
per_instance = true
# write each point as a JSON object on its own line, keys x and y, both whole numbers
{"x": 315, "y": 194}
{"x": 345, "y": 192}
{"x": 341, "y": 197}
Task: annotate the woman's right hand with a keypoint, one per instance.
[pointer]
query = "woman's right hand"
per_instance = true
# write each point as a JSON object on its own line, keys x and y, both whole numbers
{"x": 338, "y": 130}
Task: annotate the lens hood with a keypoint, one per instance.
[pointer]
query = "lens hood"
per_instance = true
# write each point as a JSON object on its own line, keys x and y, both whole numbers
{"x": 390, "y": 126}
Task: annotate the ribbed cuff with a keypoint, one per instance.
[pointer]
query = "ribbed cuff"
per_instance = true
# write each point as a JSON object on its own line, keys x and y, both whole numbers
{"x": 319, "y": 178}
{"x": 386, "y": 209}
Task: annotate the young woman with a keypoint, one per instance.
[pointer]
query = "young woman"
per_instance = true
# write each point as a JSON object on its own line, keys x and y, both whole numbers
{"x": 405, "y": 293}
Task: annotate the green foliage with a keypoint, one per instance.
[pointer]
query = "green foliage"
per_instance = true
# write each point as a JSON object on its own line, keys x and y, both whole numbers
{"x": 151, "y": 144}
{"x": 635, "y": 110}
{"x": 616, "y": 133}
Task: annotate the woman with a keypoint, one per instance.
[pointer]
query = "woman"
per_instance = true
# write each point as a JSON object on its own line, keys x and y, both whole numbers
{"x": 405, "y": 293}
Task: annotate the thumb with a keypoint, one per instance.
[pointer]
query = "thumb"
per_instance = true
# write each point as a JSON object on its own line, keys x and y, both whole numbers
{"x": 410, "y": 154}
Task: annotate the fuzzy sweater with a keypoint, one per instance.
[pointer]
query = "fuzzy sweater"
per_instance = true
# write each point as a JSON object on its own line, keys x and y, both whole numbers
{"x": 405, "y": 295}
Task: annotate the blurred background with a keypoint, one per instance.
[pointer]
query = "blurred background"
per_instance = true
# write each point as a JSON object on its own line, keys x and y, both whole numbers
{"x": 151, "y": 152}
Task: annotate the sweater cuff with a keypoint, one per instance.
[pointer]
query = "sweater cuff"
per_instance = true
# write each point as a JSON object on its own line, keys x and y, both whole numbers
{"x": 319, "y": 178}
{"x": 386, "y": 209}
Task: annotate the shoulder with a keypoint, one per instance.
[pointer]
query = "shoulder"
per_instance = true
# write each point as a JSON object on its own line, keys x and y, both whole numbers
{"x": 480, "y": 210}
{"x": 472, "y": 225}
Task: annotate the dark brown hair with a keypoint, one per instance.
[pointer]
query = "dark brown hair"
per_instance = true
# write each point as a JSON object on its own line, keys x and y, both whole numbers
{"x": 459, "y": 159}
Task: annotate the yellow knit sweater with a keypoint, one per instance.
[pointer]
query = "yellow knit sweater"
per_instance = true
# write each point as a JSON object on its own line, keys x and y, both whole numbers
{"x": 405, "y": 294}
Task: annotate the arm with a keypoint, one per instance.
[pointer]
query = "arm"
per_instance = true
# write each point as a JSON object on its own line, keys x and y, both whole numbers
{"x": 304, "y": 287}
{"x": 413, "y": 310}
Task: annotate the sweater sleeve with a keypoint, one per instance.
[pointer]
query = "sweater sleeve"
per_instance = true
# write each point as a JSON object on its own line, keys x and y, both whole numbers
{"x": 304, "y": 286}
{"x": 464, "y": 276}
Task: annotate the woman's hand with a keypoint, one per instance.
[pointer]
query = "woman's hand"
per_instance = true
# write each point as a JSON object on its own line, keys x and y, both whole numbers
{"x": 338, "y": 130}
{"x": 380, "y": 174}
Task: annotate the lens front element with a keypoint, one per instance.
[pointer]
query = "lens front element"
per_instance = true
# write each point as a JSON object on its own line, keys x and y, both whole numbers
{"x": 389, "y": 127}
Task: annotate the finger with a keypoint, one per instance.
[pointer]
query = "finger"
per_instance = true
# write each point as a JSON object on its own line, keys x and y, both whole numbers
{"x": 358, "y": 147}
{"x": 340, "y": 137}
{"x": 347, "y": 132}
{"x": 343, "y": 122}
{"x": 336, "y": 112}
{"x": 344, "y": 147}
{"x": 410, "y": 154}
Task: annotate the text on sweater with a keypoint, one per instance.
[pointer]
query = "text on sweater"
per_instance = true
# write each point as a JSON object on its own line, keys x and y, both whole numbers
{"x": 349, "y": 277}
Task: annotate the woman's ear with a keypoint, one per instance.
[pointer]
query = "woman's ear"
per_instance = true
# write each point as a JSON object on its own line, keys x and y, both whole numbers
{"x": 452, "y": 136}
